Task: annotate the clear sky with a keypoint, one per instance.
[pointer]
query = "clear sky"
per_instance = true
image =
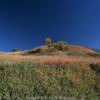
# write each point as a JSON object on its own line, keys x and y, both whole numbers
{"x": 25, "y": 23}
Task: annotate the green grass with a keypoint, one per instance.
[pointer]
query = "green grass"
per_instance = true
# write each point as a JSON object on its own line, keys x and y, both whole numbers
{"x": 21, "y": 81}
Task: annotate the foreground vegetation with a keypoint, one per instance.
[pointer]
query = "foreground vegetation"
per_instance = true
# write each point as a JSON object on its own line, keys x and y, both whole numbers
{"x": 22, "y": 81}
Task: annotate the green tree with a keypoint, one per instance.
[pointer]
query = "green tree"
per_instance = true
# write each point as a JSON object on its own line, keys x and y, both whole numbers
{"x": 60, "y": 45}
{"x": 48, "y": 41}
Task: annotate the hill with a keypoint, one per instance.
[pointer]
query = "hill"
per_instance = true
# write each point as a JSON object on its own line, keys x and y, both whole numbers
{"x": 54, "y": 53}
{"x": 53, "y": 50}
{"x": 52, "y": 72}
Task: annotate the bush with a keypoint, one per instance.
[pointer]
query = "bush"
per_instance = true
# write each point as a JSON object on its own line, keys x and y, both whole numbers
{"x": 94, "y": 54}
{"x": 51, "y": 49}
{"x": 95, "y": 67}
{"x": 15, "y": 50}
{"x": 59, "y": 45}
{"x": 48, "y": 41}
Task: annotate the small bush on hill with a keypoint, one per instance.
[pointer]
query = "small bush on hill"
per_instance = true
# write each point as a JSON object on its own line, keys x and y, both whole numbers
{"x": 95, "y": 67}
{"x": 48, "y": 42}
{"x": 94, "y": 54}
{"x": 15, "y": 50}
{"x": 59, "y": 45}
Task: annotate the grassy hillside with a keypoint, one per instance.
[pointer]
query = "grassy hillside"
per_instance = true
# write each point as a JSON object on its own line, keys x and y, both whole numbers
{"x": 56, "y": 49}
{"x": 53, "y": 72}
{"x": 24, "y": 81}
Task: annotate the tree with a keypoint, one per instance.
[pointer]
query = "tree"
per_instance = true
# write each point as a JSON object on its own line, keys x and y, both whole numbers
{"x": 60, "y": 45}
{"x": 48, "y": 41}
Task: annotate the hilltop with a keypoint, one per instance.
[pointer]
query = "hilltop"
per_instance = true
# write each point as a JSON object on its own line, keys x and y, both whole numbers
{"x": 54, "y": 53}
{"x": 52, "y": 50}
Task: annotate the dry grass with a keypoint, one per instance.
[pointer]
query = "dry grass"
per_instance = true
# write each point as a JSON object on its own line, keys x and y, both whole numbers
{"x": 79, "y": 54}
{"x": 10, "y": 58}
{"x": 21, "y": 80}
{"x": 24, "y": 76}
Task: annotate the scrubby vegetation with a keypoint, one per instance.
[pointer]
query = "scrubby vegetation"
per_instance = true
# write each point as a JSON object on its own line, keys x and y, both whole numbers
{"x": 15, "y": 50}
{"x": 59, "y": 45}
{"x": 22, "y": 81}
{"x": 48, "y": 42}
{"x": 94, "y": 54}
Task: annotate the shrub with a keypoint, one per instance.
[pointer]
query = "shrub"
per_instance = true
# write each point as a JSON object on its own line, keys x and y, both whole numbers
{"x": 95, "y": 67}
{"x": 51, "y": 49}
{"x": 48, "y": 41}
{"x": 94, "y": 54}
{"x": 60, "y": 45}
{"x": 15, "y": 50}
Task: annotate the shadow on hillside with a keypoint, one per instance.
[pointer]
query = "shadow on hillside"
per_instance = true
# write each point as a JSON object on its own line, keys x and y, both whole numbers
{"x": 96, "y": 68}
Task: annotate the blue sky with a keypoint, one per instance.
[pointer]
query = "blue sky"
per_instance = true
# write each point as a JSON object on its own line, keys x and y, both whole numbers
{"x": 25, "y": 23}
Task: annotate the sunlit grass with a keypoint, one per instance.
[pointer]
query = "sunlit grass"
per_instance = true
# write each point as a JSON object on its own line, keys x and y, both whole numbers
{"x": 27, "y": 79}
